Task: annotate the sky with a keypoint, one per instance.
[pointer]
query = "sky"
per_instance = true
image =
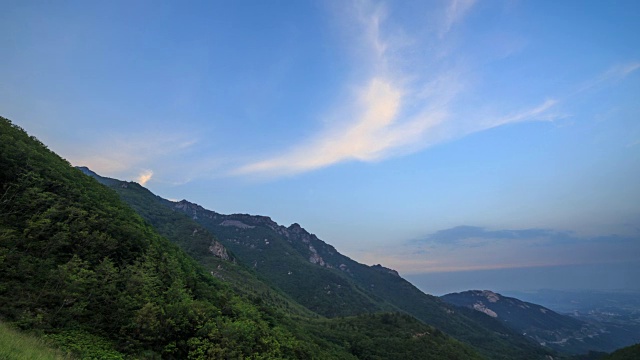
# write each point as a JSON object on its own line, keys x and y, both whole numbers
{"x": 461, "y": 142}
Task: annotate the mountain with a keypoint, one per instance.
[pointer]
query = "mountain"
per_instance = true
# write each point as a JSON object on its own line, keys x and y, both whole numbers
{"x": 316, "y": 275}
{"x": 300, "y": 269}
{"x": 615, "y": 313}
{"x": 560, "y": 332}
{"x": 199, "y": 243}
{"x": 82, "y": 269}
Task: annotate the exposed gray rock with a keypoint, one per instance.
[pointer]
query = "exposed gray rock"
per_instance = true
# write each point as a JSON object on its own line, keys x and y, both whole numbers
{"x": 218, "y": 250}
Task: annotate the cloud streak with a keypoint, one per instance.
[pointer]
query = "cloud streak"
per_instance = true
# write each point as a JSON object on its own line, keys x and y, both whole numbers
{"x": 376, "y": 132}
{"x": 615, "y": 73}
{"x": 455, "y": 12}
{"x": 397, "y": 109}
{"x": 465, "y": 248}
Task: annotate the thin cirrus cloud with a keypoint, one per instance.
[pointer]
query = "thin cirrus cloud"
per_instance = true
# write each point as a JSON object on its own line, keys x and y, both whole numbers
{"x": 614, "y": 73}
{"x": 455, "y": 12}
{"x": 404, "y": 106}
{"x": 392, "y": 112}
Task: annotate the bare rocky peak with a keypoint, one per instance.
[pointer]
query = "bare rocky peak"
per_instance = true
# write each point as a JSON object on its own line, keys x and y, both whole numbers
{"x": 490, "y": 295}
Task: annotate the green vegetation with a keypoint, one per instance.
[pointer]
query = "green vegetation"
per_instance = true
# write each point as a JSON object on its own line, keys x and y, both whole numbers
{"x": 196, "y": 240}
{"x": 75, "y": 258}
{"x": 343, "y": 287}
{"x": 628, "y": 353}
{"x": 15, "y": 345}
{"x": 86, "y": 272}
{"x": 390, "y": 336}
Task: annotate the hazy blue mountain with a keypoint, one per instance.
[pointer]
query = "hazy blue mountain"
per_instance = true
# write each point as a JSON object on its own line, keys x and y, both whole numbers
{"x": 561, "y": 332}
{"x": 615, "y": 312}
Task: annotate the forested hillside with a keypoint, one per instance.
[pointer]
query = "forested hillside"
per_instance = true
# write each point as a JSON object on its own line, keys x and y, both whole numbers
{"x": 83, "y": 270}
{"x": 284, "y": 267}
{"x": 77, "y": 262}
{"x": 319, "y": 277}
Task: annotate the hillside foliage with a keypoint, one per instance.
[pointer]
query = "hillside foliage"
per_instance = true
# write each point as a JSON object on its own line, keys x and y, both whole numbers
{"x": 75, "y": 259}
{"x": 83, "y": 270}
{"x": 316, "y": 275}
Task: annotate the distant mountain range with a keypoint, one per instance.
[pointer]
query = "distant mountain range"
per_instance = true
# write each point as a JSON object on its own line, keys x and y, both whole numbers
{"x": 615, "y": 312}
{"x": 563, "y": 333}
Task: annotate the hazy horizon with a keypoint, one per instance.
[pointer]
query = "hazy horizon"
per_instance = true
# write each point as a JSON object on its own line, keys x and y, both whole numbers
{"x": 618, "y": 277}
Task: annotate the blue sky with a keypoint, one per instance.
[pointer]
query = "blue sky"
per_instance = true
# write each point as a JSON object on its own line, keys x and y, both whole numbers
{"x": 378, "y": 126}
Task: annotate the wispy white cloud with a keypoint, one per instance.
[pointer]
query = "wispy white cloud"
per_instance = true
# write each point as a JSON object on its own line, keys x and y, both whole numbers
{"x": 455, "y": 12}
{"x": 371, "y": 19}
{"x": 377, "y": 131}
{"x": 397, "y": 109}
{"x": 539, "y": 112}
{"x": 144, "y": 176}
{"x": 614, "y": 73}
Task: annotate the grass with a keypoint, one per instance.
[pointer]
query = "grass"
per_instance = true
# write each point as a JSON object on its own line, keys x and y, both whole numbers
{"x": 20, "y": 346}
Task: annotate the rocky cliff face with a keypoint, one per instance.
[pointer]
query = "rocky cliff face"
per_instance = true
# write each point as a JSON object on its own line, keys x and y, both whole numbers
{"x": 219, "y": 250}
{"x": 308, "y": 244}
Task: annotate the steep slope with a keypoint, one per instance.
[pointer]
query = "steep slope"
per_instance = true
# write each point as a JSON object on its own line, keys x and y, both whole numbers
{"x": 79, "y": 264}
{"x": 199, "y": 243}
{"x": 82, "y": 269}
{"x": 317, "y": 276}
{"x": 311, "y": 272}
{"x": 560, "y": 332}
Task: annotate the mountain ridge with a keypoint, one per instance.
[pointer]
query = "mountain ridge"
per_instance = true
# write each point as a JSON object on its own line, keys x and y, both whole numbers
{"x": 314, "y": 274}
